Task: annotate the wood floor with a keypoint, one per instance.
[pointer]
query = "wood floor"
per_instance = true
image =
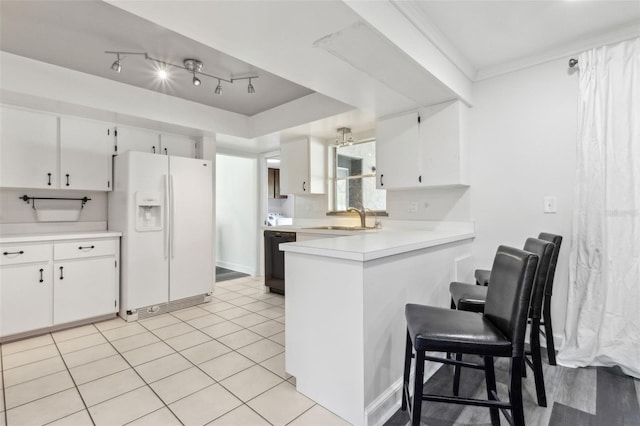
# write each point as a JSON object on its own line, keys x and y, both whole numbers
{"x": 594, "y": 396}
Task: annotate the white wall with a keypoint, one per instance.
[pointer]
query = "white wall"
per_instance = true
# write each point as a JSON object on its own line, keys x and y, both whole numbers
{"x": 237, "y": 213}
{"x": 18, "y": 217}
{"x": 444, "y": 203}
{"x": 523, "y": 128}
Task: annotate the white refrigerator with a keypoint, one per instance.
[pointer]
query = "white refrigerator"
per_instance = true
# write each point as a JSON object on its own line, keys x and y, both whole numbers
{"x": 163, "y": 205}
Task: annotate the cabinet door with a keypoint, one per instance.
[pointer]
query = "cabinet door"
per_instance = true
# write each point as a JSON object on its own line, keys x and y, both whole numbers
{"x": 85, "y": 154}
{"x": 294, "y": 167}
{"x": 26, "y": 294}
{"x": 442, "y": 144}
{"x": 83, "y": 289}
{"x": 28, "y": 149}
{"x": 397, "y": 152}
{"x": 132, "y": 139}
{"x": 180, "y": 146}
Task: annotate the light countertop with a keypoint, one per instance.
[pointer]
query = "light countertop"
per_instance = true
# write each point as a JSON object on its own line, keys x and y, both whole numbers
{"x": 374, "y": 244}
{"x": 27, "y": 238}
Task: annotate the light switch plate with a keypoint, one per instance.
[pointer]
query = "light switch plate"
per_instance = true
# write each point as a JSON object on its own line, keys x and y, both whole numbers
{"x": 550, "y": 204}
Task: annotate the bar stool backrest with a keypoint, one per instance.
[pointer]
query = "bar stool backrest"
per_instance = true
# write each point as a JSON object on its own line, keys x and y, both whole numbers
{"x": 557, "y": 241}
{"x": 509, "y": 293}
{"x": 544, "y": 251}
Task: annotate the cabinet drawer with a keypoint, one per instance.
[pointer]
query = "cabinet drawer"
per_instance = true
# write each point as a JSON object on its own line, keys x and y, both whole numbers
{"x": 14, "y": 254}
{"x": 84, "y": 248}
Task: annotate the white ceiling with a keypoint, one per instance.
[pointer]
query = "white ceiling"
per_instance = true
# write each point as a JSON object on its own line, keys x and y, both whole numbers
{"x": 487, "y": 38}
{"x": 331, "y": 47}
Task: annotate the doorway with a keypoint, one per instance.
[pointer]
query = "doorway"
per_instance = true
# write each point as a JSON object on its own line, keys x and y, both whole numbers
{"x": 237, "y": 214}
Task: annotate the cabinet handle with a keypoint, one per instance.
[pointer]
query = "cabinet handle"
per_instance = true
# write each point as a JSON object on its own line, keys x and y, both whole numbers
{"x": 7, "y": 253}
{"x": 304, "y": 186}
{"x": 154, "y": 149}
{"x": 67, "y": 179}
{"x": 381, "y": 183}
{"x": 61, "y": 276}
{"x": 86, "y": 247}
{"x": 420, "y": 179}
{"x": 49, "y": 181}
{"x": 165, "y": 152}
{"x": 41, "y": 277}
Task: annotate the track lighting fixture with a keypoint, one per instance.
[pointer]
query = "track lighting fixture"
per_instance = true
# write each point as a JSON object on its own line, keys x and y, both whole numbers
{"x": 193, "y": 66}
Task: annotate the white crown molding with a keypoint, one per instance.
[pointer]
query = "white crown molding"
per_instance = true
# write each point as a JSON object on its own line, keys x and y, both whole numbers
{"x": 619, "y": 34}
{"x": 416, "y": 15}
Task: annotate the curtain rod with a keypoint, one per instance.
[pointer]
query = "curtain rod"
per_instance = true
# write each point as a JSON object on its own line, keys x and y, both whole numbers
{"x": 573, "y": 62}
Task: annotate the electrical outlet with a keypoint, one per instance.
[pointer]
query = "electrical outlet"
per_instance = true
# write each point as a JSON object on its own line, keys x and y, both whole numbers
{"x": 550, "y": 205}
{"x": 413, "y": 207}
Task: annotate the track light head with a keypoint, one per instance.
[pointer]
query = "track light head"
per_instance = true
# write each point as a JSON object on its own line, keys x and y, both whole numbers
{"x": 163, "y": 74}
{"x": 196, "y": 80}
{"x": 250, "y": 88}
{"x": 218, "y": 90}
{"x": 117, "y": 66}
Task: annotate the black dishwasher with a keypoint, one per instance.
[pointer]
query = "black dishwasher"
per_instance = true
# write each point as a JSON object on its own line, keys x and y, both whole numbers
{"x": 274, "y": 259}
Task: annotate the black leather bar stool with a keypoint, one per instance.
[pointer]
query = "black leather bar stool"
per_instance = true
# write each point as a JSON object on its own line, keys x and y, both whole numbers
{"x": 483, "y": 276}
{"x": 472, "y": 297}
{"x": 499, "y": 332}
{"x": 548, "y": 290}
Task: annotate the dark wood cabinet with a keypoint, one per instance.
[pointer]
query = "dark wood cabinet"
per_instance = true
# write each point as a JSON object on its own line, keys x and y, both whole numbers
{"x": 274, "y": 184}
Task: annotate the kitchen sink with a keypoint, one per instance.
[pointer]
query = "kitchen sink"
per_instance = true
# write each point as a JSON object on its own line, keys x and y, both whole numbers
{"x": 340, "y": 228}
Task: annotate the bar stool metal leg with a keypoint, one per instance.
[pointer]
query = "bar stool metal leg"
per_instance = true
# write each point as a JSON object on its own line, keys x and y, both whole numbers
{"x": 417, "y": 389}
{"x": 456, "y": 376}
{"x": 536, "y": 361}
{"x": 515, "y": 392}
{"x": 407, "y": 373}
{"x": 492, "y": 390}
{"x": 548, "y": 331}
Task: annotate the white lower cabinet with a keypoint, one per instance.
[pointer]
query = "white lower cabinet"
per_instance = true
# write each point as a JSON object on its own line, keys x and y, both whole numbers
{"x": 50, "y": 283}
{"x": 83, "y": 289}
{"x": 26, "y": 295}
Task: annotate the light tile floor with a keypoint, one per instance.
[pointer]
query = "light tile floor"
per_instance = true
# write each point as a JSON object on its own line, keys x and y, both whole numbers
{"x": 220, "y": 363}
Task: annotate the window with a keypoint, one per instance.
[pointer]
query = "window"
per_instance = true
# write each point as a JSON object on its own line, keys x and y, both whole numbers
{"x": 355, "y": 178}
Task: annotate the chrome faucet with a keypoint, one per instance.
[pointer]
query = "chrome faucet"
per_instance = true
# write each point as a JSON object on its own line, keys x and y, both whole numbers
{"x": 362, "y": 213}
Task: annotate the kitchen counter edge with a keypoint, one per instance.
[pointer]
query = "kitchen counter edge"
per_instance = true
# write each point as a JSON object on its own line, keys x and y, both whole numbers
{"x": 28, "y": 238}
{"x": 366, "y": 247}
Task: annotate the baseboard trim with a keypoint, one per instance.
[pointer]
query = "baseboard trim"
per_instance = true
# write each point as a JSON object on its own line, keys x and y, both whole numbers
{"x": 388, "y": 402}
{"x": 237, "y": 267}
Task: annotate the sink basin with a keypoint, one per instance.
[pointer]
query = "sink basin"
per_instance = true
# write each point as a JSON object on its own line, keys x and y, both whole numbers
{"x": 340, "y": 228}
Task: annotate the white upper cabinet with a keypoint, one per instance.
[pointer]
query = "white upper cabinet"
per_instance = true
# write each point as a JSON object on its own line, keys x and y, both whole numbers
{"x": 443, "y": 142}
{"x": 303, "y": 166}
{"x": 133, "y": 139}
{"x": 86, "y": 147}
{"x": 34, "y": 155}
{"x": 422, "y": 149}
{"x": 28, "y": 149}
{"x": 142, "y": 140}
{"x": 397, "y": 144}
{"x": 180, "y": 146}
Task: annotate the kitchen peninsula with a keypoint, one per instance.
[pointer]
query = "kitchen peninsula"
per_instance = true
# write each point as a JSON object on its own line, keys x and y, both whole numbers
{"x": 345, "y": 311}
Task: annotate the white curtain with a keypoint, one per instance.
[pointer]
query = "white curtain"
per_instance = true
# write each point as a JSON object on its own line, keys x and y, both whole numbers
{"x": 603, "y": 312}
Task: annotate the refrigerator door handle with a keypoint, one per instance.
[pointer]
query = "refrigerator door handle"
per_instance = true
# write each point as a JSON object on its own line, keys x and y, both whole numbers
{"x": 173, "y": 212}
{"x": 165, "y": 186}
